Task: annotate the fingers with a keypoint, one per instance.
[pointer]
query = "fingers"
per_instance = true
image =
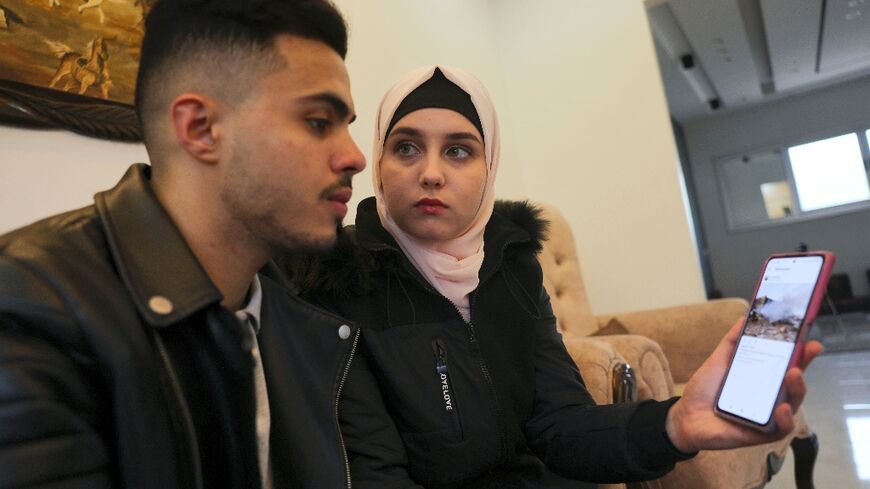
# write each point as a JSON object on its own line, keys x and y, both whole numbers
{"x": 734, "y": 333}
{"x": 729, "y": 342}
{"x": 724, "y": 349}
{"x": 812, "y": 349}
{"x": 784, "y": 418}
{"x": 796, "y": 388}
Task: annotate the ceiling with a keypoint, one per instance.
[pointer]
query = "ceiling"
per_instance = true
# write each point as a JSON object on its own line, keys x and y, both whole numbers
{"x": 717, "y": 55}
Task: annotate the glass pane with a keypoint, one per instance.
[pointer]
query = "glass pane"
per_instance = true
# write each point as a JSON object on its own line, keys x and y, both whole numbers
{"x": 778, "y": 200}
{"x": 744, "y": 180}
{"x": 829, "y": 172}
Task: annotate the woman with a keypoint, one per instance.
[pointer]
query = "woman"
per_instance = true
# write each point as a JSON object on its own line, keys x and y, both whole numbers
{"x": 461, "y": 377}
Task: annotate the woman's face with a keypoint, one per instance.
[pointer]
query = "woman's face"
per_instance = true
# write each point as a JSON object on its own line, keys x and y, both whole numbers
{"x": 433, "y": 173}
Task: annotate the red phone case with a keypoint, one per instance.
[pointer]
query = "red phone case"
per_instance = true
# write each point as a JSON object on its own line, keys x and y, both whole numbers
{"x": 815, "y": 302}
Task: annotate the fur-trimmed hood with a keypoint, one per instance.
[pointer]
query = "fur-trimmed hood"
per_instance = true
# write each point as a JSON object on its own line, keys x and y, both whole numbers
{"x": 527, "y": 217}
{"x": 515, "y": 226}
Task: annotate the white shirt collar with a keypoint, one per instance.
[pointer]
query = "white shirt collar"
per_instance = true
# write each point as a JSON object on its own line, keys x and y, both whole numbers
{"x": 251, "y": 311}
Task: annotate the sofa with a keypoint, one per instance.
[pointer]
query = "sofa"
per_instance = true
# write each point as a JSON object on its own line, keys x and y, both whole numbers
{"x": 651, "y": 355}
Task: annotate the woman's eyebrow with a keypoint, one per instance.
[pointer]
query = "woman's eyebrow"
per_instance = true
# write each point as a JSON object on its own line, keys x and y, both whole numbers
{"x": 407, "y": 131}
{"x": 454, "y": 136}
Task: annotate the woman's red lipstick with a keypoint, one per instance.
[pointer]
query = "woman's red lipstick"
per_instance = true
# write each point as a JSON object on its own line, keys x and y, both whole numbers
{"x": 430, "y": 206}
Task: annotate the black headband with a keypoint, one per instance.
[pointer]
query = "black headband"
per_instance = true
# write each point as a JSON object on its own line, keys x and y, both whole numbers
{"x": 437, "y": 92}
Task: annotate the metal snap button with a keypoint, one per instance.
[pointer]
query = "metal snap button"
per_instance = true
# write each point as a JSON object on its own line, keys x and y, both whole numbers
{"x": 160, "y": 304}
{"x": 344, "y": 332}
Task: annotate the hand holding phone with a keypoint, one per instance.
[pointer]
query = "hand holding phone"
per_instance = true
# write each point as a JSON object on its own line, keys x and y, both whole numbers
{"x": 786, "y": 300}
{"x": 692, "y": 425}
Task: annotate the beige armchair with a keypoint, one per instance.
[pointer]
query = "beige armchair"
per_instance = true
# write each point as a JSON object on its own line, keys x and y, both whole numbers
{"x": 662, "y": 347}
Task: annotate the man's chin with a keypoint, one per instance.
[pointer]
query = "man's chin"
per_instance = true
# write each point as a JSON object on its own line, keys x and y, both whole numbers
{"x": 313, "y": 243}
{"x": 320, "y": 246}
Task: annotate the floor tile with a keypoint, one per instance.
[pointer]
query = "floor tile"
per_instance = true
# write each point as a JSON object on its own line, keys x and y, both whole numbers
{"x": 838, "y": 410}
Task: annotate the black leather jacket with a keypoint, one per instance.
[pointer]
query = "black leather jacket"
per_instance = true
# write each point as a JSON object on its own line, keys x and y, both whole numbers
{"x": 119, "y": 367}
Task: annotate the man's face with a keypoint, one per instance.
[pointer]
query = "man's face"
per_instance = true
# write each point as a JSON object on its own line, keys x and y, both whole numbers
{"x": 289, "y": 153}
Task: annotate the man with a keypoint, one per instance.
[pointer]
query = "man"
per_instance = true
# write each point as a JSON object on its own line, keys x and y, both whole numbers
{"x": 138, "y": 345}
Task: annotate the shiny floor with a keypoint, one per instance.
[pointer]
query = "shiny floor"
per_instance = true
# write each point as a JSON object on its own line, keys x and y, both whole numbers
{"x": 838, "y": 410}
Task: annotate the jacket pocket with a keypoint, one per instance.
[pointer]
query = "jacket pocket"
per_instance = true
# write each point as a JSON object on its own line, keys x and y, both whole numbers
{"x": 448, "y": 395}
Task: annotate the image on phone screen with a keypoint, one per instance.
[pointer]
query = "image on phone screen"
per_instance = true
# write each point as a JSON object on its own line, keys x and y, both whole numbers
{"x": 768, "y": 340}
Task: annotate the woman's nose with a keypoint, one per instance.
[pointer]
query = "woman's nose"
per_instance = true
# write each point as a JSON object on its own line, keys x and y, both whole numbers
{"x": 432, "y": 176}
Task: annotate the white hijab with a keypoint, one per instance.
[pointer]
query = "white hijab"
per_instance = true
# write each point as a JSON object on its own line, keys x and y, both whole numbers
{"x": 451, "y": 266}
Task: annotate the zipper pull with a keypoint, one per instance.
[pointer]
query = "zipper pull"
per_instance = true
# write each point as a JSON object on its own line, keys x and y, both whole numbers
{"x": 440, "y": 352}
{"x": 443, "y": 375}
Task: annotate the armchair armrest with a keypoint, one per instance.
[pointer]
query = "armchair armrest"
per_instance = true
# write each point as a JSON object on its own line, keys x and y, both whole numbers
{"x": 648, "y": 361}
{"x": 597, "y": 362}
{"x": 687, "y": 334}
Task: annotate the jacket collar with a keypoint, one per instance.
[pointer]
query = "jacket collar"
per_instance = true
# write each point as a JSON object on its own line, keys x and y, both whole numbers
{"x": 500, "y": 233}
{"x": 158, "y": 268}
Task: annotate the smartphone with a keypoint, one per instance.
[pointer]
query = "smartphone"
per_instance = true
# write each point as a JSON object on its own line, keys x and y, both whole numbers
{"x": 788, "y": 295}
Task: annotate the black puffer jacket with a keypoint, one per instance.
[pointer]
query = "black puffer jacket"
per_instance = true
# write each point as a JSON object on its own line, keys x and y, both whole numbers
{"x": 497, "y": 402}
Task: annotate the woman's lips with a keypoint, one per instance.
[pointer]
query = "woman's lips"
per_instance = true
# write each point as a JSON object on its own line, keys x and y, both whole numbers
{"x": 430, "y": 206}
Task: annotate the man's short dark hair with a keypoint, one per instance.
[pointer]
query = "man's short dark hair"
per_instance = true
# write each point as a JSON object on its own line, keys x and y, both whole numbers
{"x": 232, "y": 39}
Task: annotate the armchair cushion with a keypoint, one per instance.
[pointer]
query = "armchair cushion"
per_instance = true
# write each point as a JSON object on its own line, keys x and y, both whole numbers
{"x": 687, "y": 334}
{"x": 612, "y": 327}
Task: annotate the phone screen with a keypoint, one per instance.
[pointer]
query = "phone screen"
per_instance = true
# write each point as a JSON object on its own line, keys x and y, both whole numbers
{"x": 769, "y": 336}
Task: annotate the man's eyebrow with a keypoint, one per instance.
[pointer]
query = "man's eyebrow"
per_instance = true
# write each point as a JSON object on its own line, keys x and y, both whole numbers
{"x": 334, "y": 101}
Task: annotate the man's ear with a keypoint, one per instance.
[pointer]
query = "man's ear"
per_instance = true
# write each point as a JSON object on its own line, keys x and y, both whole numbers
{"x": 193, "y": 122}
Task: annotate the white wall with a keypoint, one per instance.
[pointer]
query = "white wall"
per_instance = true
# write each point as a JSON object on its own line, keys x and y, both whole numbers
{"x": 592, "y": 131}
{"x": 736, "y": 256}
{"x": 46, "y": 172}
{"x": 583, "y": 116}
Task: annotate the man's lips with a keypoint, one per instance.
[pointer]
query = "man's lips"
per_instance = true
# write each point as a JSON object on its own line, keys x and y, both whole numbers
{"x": 341, "y": 195}
{"x": 338, "y": 199}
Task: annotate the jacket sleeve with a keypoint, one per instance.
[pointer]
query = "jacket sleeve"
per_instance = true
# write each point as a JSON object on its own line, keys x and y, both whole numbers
{"x": 48, "y": 421}
{"x": 375, "y": 451}
{"x": 579, "y": 440}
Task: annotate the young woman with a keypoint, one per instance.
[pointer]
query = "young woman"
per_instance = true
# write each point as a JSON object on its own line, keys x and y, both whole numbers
{"x": 461, "y": 378}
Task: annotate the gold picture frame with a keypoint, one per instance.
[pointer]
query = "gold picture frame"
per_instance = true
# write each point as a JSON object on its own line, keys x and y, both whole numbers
{"x": 71, "y": 64}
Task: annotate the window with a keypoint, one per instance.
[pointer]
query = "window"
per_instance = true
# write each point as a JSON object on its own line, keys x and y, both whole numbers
{"x": 749, "y": 184}
{"x": 829, "y": 172}
{"x": 804, "y": 181}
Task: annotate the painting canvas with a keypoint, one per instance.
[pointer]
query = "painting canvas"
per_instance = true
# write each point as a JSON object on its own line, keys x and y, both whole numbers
{"x": 54, "y": 50}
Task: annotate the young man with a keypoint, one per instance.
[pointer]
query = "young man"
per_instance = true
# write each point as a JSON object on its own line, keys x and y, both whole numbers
{"x": 138, "y": 345}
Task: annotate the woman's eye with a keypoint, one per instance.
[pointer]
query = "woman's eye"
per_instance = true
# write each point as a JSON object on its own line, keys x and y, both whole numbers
{"x": 406, "y": 149}
{"x": 458, "y": 152}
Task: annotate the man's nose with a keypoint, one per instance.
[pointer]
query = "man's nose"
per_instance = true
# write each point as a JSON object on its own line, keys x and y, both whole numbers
{"x": 349, "y": 158}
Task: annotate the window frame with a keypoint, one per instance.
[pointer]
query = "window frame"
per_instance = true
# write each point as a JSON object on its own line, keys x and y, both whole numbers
{"x": 797, "y": 215}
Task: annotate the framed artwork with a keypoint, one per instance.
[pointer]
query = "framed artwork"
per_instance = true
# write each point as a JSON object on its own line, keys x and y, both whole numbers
{"x": 71, "y": 64}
